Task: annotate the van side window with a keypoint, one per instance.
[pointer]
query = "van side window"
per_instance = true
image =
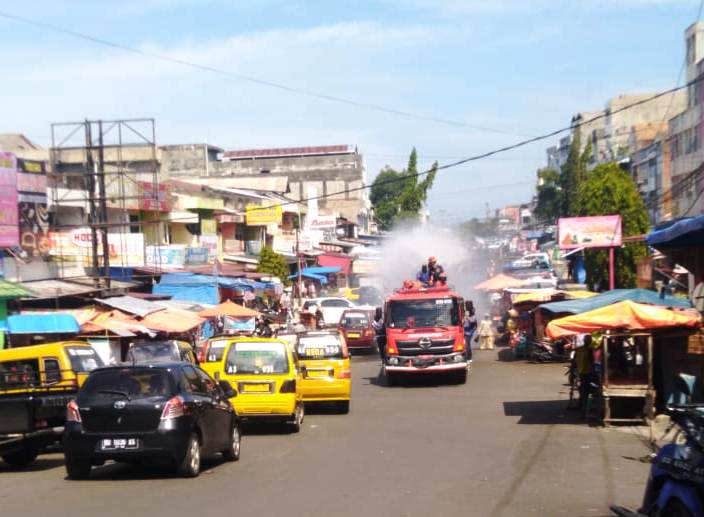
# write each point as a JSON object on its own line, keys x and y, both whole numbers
{"x": 52, "y": 371}
{"x": 19, "y": 373}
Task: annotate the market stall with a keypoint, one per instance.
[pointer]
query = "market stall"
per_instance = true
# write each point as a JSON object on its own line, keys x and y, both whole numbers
{"x": 627, "y": 349}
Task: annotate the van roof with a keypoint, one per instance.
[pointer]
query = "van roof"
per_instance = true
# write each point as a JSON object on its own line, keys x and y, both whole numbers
{"x": 36, "y": 350}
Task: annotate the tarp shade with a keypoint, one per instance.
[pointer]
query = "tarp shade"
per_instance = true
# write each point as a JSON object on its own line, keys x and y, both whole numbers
{"x": 499, "y": 283}
{"x": 626, "y": 315}
{"x": 333, "y": 260}
{"x": 685, "y": 233}
{"x": 228, "y": 308}
{"x": 615, "y": 296}
{"x": 46, "y": 323}
{"x": 131, "y": 305}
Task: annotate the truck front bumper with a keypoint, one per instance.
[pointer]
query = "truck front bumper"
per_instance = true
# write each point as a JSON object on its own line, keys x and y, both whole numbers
{"x": 426, "y": 363}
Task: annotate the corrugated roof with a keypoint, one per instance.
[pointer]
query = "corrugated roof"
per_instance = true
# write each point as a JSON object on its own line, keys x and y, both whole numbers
{"x": 11, "y": 291}
{"x": 261, "y": 183}
{"x": 287, "y": 151}
{"x": 131, "y": 305}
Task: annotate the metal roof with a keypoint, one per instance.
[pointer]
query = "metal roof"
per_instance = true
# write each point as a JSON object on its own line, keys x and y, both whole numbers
{"x": 54, "y": 323}
{"x": 131, "y": 305}
{"x": 287, "y": 151}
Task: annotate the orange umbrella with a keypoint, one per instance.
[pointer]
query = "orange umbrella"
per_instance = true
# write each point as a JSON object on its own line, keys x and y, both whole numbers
{"x": 499, "y": 283}
{"x": 229, "y": 308}
{"x": 172, "y": 321}
{"x": 626, "y": 315}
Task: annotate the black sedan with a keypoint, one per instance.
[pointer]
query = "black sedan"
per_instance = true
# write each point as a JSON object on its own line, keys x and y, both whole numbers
{"x": 172, "y": 412}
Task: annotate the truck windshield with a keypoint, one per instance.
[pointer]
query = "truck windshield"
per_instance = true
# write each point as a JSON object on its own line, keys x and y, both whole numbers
{"x": 440, "y": 312}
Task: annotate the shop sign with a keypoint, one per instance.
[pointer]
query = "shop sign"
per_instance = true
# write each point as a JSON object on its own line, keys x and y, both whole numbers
{"x": 125, "y": 249}
{"x": 322, "y": 222}
{"x": 155, "y": 198}
{"x": 209, "y": 242}
{"x": 173, "y": 255}
{"x": 261, "y": 216}
{"x": 589, "y": 232}
{"x": 9, "y": 215}
{"x": 208, "y": 227}
{"x": 196, "y": 256}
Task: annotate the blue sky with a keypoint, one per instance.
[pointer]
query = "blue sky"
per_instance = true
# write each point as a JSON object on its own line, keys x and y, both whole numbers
{"x": 520, "y": 66}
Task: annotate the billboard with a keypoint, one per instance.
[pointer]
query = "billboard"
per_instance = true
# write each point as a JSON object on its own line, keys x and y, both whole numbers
{"x": 34, "y": 229}
{"x": 155, "y": 198}
{"x": 171, "y": 255}
{"x": 602, "y": 231}
{"x": 9, "y": 215}
{"x": 261, "y": 216}
{"x": 322, "y": 222}
{"x": 126, "y": 249}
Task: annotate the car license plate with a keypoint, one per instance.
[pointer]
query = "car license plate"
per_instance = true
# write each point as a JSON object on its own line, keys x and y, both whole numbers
{"x": 111, "y": 444}
{"x": 353, "y": 334}
{"x": 318, "y": 373}
{"x": 255, "y": 388}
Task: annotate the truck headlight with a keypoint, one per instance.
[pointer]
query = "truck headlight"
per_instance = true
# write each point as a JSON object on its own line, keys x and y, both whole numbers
{"x": 393, "y": 361}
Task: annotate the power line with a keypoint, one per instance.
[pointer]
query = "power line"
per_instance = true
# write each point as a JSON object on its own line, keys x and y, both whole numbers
{"x": 249, "y": 78}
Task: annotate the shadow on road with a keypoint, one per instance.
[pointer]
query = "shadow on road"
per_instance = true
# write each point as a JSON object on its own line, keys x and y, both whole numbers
{"x": 425, "y": 380}
{"x": 38, "y": 466}
{"x": 140, "y": 472}
{"x": 544, "y": 412}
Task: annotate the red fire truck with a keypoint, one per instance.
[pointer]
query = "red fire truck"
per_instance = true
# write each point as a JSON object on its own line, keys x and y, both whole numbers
{"x": 424, "y": 333}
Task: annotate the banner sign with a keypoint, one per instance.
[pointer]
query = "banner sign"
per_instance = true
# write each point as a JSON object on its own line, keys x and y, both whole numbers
{"x": 261, "y": 216}
{"x": 9, "y": 216}
{"x": 210, "y": 242}
{"x": 196, "y": 256}
{"x": 155, "y": 198}
{"x": 173, "y": 255}
{"x": 322, "y": 222}
{"x": 126, "y": 249}
{"x": 34, "y": 229}
{"x": 31, "y": 166}
{"x": 589, "y": 232}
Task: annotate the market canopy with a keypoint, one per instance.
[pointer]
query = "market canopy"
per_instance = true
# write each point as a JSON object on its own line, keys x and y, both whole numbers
{"x": 615, "y": 296}
{"x": 229, "y": 308}
{"x": 684, "y": 233}
{"x": 317, "y": 273}
{"x": 625, "y": 315}
{"x": 45, "y": 323}
{"x": 499, "y": 283}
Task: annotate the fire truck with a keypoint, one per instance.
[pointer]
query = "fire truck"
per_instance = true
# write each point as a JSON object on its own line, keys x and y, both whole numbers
{"x": 424, "y": 334}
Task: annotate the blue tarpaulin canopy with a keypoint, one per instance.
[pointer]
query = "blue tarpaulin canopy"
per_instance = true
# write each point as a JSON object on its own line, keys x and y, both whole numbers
{"x": 616, "y": 295}
{"x": 193, "y": 287}
{"x": 45, "y": 323}
{"x": 317, "y": 273}
{"x": 684, "y": 233}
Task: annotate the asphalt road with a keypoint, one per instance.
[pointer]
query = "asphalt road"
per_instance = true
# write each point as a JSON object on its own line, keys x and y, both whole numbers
{"x": 501, "y": 445}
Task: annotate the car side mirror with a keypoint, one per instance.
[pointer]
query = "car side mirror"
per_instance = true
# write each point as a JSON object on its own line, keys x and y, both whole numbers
{"x": 227, "y": 389}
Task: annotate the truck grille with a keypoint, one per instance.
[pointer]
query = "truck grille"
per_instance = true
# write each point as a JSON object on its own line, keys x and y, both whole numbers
{"x": 425, "y": 347}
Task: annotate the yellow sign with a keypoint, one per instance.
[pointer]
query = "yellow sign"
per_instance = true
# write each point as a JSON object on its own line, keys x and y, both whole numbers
{"x": 208, "y": 227}
{"x": 261, "y": 216}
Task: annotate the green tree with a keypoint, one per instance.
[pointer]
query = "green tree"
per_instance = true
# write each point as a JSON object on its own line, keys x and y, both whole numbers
{"x": 274, "y": 264}
{"x": 610, "y": 190}
{"x": 400, "y": 195}
{"x": 573, "y": 174}
{"x": 549, "y": 202}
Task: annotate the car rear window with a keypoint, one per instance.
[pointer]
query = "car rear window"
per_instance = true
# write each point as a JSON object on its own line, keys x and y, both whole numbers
{"x": 319, "y": 347}
{"x": 83, "y": 358}
{"x": 132, "y": 383}
{"x": 355, "y": 320}
{"x": 257, "y": 359}
{"x": 153, "y": 352}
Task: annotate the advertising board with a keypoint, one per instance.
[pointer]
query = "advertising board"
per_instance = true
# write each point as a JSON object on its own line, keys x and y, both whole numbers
{"x": 126, "y": 249}
{"x": 9, "y": 215}
{"x": 263, "y": 215}
{"x": 589, "y": 232}
{"x": 173, "y": 255}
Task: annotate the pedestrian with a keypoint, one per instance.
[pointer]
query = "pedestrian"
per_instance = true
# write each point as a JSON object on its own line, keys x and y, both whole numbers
{"x": 311, "y": 290}
{"x": 380, "y": 331}
{"x": 470, "y": 327}
{"x": 584, "y": 366}
{"x": 485, "y": 331}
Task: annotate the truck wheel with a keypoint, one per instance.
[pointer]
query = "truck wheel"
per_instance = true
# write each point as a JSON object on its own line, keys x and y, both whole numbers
{"x": 21, "y": 458}
{"x": 189, "y": 466}
{"x": 77, "y": 468}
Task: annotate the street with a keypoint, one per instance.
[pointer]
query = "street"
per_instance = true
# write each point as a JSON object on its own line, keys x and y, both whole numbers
{"x": 502, "y": 445}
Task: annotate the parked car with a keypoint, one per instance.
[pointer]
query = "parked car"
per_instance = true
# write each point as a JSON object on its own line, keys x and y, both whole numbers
{"x": 173, "y": 412}
{"x": 265, "y": 373}
{"x": 332, "y": 308}
{"x": 325, "y": 368}
{"x": 356, "y": 327}
{"x": 36, "y": 383}
{"x": 150, "y": 352}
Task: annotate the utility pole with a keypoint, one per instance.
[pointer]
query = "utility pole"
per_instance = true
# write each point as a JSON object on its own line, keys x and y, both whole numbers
{"x": 103, "y": 206}
{"x": 89, "y": 170}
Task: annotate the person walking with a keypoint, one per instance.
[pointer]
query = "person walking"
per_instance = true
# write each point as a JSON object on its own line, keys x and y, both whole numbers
{"x": 470, "y": 327}
{"x": 485, "y": 331}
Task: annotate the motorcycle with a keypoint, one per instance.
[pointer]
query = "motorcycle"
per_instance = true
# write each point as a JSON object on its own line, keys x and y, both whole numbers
{"x": 676, "y": 483}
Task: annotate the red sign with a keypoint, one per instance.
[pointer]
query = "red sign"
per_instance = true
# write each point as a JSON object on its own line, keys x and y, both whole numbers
{"x": 155, "y": 198}
{"x": 9, "y": 216}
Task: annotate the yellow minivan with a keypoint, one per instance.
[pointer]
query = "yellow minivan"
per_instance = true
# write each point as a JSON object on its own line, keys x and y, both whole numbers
{"x": 325, "y": 367}
{"x": 265, "y": 374}
{"x": 36, "y": 383}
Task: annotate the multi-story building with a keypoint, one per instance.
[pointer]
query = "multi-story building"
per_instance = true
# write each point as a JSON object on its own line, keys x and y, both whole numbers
{"x": 685, "y": 135}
